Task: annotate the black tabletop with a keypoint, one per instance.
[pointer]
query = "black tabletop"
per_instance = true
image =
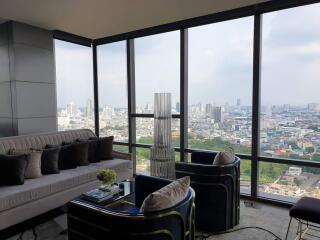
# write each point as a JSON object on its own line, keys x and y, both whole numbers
{"x": 119, "y": 201}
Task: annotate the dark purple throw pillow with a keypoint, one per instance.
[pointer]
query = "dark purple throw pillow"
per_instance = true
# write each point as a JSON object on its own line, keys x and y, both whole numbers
{"x": 80, "y": 152}
{"x": 50, "y": 160}
{"x": 66, "y": 158}
{"x": 12, "y": 169}
{"x": 105, "y": 147}
{"x": 92, "y": 149}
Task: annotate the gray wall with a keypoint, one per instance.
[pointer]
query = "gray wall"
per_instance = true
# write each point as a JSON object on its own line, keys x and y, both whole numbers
{"x": 6, "y": 114}
{"x": 27, "y": 79}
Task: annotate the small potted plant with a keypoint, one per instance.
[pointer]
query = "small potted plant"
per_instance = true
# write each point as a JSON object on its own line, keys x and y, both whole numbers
{"x": 107, "y": 177}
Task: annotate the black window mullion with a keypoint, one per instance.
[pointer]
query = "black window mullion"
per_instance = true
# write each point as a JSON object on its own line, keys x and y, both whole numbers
{"x": 256, "y": 103}
{"x": 131, "y": 100}
{"x": 295, "y": 162}
{"x": 95, "y": 89}
{"x": 183, "y": 94}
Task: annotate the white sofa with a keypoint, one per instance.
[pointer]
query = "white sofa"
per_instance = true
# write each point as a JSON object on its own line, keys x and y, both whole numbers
{"x": 40, "y": 195}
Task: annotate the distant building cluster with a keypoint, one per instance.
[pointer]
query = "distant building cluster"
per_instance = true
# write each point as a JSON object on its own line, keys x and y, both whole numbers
{"x": 291, "y": 131}
{"x": 294, "y": 183}
{"x": 286, "y": 131}
{"x": 73, "y": 117}
{"x": 230, "y": 123}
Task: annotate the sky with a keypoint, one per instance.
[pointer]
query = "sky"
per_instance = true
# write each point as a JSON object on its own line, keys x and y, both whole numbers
{"x": 220, "y": 64}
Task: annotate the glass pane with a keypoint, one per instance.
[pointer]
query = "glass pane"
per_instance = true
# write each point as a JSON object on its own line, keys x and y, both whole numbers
{"x": 189, "y": 157}
{"x": 113, "y": 103}
{"x": 74, "y": 86}
{"x": 121, "y": 148}
{"x": 220, "y": 85}
{"x": 157, "y": 69}
{"x": 288, "y": 182}
{"x": 245, "y": 176}
{"x": 290, "y": 99}
{"x": 177, "y": 156}
{"x": 145, "y": 129}
{"x": 143, "y": 161}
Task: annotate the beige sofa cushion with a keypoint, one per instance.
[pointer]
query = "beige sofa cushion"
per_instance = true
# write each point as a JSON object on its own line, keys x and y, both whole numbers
{"x": 224, "y": 157}
{"x": 33, "y": 169}
{"x": 167, "y": 196}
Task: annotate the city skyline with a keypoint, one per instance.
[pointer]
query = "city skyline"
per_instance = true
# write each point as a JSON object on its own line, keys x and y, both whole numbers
{"x": 174, "y": 105}
{"x": 291, "y": 132}
{"x": 220, "y": 73}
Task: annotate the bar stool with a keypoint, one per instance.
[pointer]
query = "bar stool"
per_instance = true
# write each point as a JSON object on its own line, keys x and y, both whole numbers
{"x": 306, "y": 210}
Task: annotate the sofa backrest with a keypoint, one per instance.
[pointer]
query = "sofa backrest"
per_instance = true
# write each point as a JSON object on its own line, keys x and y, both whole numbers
{"x": 42, "y": 139}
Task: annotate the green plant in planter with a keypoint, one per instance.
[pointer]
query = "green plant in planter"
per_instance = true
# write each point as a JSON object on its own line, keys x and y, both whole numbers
{"x": 107, "y": 176}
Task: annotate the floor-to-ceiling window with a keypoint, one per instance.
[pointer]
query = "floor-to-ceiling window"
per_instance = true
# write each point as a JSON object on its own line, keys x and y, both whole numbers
{"x": 290, "y": 102}
{"x": 220, "y": 88}
{"x": 74, "y": 86}
{"x": 112, "y": 83}
{"x": 223, "y": 77}
{"x": 157, "y": 69}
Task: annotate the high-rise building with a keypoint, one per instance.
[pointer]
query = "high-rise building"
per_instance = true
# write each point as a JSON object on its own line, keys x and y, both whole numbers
{"x": 209, "y": 109}
{"x": 177, "y": 107}
{"x": 286, "y": 107}
{"x": 148, "y": 108}
{"x": 199, "y": 107}
{"x": 238, "y": 102}
{"x": 218, "y": 114}
{"x": 71, "y": 109}
{"x": 89, "y": 108}
{"x": 107, "y": 112}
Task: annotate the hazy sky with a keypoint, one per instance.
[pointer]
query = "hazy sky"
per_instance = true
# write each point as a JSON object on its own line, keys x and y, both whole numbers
{"x": 112, "y": 74}
{"x": 220, "y": 63}
{"x": 73, "y": 73}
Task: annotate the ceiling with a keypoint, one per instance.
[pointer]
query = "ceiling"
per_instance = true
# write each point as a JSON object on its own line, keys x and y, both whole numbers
{"x": 100, "y": 18}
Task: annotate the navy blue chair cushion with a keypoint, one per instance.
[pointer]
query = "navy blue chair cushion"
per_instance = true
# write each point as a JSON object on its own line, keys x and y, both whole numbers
{"x": 217, "y": 192}
{"x": 144, "y": 185}
{"x": 307, "y": 209}
{"x": 202, "y": 157}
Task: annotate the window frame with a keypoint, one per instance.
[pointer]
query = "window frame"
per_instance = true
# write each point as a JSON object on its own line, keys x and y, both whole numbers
{"x": 257, "y": 11}
{"x": 76, "y": 40}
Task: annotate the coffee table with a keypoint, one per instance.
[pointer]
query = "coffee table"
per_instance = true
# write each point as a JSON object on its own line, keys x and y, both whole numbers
{"x": 80, "y": 211}
{"x": 127, "y": 195}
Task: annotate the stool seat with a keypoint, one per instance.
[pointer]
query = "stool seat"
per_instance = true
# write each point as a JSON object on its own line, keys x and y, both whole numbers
{"x": 307, "y": 209}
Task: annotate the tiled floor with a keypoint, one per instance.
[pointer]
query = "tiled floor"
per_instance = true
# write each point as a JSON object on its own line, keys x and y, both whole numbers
{"x": 269, "y": 217}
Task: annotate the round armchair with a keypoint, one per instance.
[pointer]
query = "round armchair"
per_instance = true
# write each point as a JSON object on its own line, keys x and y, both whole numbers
{"x": 217, "y": 188}
{"x": 174, "y": 223}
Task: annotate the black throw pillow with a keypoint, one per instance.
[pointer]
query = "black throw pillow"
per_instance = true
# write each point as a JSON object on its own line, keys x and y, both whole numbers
{"x": 105, "y": 148}
{"x": 12, "y": 169}
{"x": 92, "y": 149}
{"x": 66, "y": 158}
{"x": 50, "y": 160}
{"x": 80, "y": 152}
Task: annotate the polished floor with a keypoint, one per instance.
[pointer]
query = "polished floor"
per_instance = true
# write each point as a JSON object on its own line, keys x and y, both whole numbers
{"x": 274, "y": 219}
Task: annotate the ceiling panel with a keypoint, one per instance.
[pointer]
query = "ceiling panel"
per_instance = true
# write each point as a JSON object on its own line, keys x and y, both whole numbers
{"x": 101, "y": 18}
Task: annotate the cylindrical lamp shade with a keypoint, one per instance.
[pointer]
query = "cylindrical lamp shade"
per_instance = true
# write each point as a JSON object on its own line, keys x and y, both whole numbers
{"x": 162, "y": 153}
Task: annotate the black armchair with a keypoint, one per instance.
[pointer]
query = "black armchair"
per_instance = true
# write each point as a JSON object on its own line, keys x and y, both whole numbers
{"x": 217, "y": 188}
{"x": 98, "y": 222}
